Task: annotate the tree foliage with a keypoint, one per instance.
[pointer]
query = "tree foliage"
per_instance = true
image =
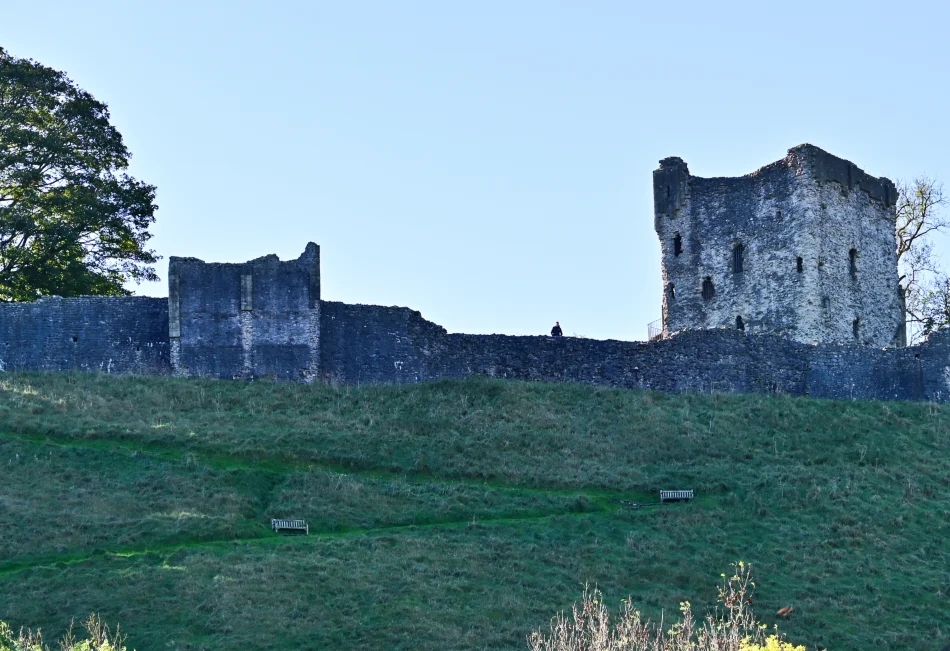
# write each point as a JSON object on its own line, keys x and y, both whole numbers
{"x": 925, "y": 286}
{"x": 71, "y": 221}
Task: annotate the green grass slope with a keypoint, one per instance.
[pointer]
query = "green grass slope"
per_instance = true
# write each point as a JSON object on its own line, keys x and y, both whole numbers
{"x": 460, "y": 514}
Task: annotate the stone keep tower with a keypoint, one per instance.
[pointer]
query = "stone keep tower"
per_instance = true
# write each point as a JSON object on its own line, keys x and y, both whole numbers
{"x": 803, "y": 248}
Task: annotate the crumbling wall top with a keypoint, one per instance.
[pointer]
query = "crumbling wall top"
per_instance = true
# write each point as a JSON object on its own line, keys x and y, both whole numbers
{"x": 801, "y": 159}
{"x": 309, "y": 257}
{"x": 825, "y": 167}
{"x": 674, "y": 162}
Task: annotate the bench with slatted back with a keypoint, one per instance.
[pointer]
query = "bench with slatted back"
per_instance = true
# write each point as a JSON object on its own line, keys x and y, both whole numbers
{"x": 290, "y": 526}
{"x": 676, "y": 496}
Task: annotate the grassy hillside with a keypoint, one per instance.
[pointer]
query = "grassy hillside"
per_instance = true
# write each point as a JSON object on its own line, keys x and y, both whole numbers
{"x": 459, "y": 514}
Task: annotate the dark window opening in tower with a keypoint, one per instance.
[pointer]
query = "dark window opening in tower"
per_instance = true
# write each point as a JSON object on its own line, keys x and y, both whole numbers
{"x": 708, "y": 290}
{"x": 800, "y": 264}
{"x": 739, "y": 324}
{"x": 853, "y": 258}
{"x": 677, "y": 244}
{"x": 672, "y": 290}
{"x": 778, "y": 215}
{"x": 825, "y": 302}
{"x": 737, "y": 252}
{"x": 856, "y": 329}
{"x": 667, "y": 192}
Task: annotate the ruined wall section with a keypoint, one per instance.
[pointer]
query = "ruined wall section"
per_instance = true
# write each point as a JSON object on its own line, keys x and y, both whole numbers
{"x": 110, "y": 334}
{"x": 770, "y": 252}
{"x": 850, "y": 253}
{"x": 369, "y": 344}
{"x": 850, "y": 372}
{"x": 250, "y": 320}
{"x": 679, "y": 244}
{"x": 692, "y": 361}
{"x": 372, "y": 344}
{"x": 718, "y": 215}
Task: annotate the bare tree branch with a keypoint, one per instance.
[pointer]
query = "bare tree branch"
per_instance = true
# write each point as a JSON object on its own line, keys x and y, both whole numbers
{"x": 917, "y": 217}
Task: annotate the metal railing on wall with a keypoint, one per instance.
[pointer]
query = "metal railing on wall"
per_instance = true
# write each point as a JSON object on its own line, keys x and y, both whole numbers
{"x": 655, "y": 330}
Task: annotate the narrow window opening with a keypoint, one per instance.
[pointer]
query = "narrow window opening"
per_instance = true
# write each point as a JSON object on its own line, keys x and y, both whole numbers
{"x": 800, "y": 264}
{"x": 853, "y": 258}
{"x": 672, "y": 290}
{"x": 667, "y": 192}
{"x": 778, "y": 215}
{"x": 708, "y": 290}
{"x": 677, "y": 244}
{"x": 739, "y": 324}
{"x": 825, "y": 302}
{"x": 75, "y": 340}
{"x": 856, "y": 328}
{"x": 737, "y": 251}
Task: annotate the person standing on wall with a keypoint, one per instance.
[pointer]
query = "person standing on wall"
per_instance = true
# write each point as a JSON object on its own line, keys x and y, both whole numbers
{"x": 556, "y": 330}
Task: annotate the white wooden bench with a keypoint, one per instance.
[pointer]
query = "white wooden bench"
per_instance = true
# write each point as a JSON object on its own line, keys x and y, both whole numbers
{"x": 676, "y": 496}
{"x": 290, "y": 526}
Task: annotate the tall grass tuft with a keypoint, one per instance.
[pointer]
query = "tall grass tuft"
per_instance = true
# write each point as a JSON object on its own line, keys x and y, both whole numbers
{"x": 97, "y": 637}
{"x": 731, "y": 627}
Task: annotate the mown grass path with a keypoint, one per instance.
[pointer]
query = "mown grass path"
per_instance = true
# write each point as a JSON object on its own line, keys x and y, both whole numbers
{"x": 59, "y": 562}
{"x": 593, "y": 501}
{"x": 282, "y": 465}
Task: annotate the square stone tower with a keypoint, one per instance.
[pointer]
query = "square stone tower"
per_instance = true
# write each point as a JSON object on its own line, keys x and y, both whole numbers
{"x": 257, "y": 319}
{"x": 803, "y": 248}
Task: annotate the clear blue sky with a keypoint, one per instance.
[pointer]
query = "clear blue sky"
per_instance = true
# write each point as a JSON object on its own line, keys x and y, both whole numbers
{"x": 487, "y": 163}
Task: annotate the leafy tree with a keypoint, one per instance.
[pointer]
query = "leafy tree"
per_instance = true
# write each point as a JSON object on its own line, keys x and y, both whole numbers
{"x": 924, "y": 285}
{"x": 71, "y": 221}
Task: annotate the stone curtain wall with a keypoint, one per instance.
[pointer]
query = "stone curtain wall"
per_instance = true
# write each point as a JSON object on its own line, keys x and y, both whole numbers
{"x": 692, "y": 361}
{"x": 264, "y": 320}
{"x": 770, "y": 252}
{"x": 367, "y": 344}
{"x": 110, "y": 334}
{"x": 370, "y": 344}
{"x": 258, "y": 319}
{"x": 915, "y": 373}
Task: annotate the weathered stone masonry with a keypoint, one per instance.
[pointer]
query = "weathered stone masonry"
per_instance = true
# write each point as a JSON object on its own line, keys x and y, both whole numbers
{"x": 260, "y": 318}
{"x": 803, "y": 248}
{"x": 127, "y": 334}
{"x": 369, "y": 344}
{"x": 264, "y": 319}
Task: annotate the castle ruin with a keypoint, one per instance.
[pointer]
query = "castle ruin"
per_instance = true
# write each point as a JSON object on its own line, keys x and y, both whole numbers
{"x": 801, "y": 299}
{"x": 802, "y": 248}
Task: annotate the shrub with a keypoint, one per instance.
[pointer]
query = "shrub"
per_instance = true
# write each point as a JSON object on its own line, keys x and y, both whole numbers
{"x": 99, "y": 638}
{"x": 732, "y": 627}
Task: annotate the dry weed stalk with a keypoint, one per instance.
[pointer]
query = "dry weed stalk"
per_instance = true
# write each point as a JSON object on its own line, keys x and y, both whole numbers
{"x": 99, "y": 638}
{"x": 731, "y": 627}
